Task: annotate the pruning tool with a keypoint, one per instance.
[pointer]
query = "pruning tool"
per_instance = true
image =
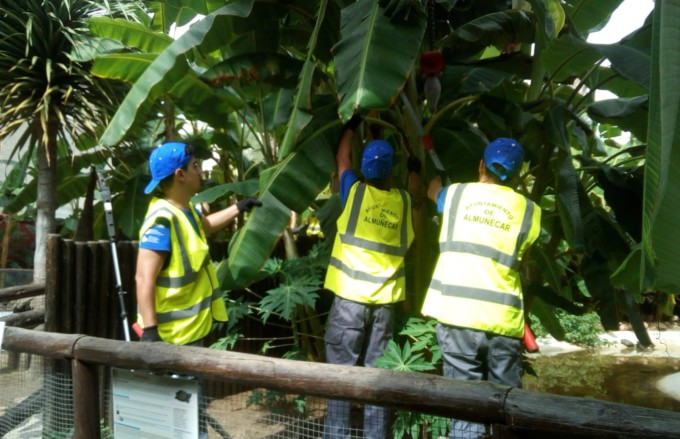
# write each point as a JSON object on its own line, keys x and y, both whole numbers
{"x": 108, "y": 211}
{"x": 425, "y": 139}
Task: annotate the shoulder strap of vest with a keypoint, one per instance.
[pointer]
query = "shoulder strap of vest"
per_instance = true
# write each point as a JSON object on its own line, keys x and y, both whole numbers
{"x": 526, "y": 225}
{"x": 164, "y": 209}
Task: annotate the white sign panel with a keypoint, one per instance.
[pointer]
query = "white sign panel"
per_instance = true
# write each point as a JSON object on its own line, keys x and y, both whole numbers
{"x": 147, "y": 406}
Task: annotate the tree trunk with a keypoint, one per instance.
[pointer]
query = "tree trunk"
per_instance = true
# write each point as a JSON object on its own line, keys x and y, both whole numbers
{"x": 47, "y": 200}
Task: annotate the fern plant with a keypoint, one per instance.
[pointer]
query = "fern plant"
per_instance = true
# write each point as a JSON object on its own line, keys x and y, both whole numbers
{"x": 292, "y": 300}
{"x": 419, "y": 353}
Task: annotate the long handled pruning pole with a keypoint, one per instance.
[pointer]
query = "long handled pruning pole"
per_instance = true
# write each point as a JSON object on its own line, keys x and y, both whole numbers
{"x": 108, "y": 211}
{"x": 424, "y": 138}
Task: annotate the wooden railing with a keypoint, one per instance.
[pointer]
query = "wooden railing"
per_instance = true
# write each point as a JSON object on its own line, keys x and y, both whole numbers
{"x": 517, "y": 412}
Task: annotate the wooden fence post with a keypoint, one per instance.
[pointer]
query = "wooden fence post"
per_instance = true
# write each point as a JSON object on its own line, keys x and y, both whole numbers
{"x": 85, "y": 400}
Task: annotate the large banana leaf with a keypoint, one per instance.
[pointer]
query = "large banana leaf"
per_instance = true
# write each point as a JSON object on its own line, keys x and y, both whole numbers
{"x": 568, "y": 187}
{"x": 629, "y": 62}
{"x": 568, "y": 56}
{"x": 590, "y": 15}
{"x": 302, "y": 103}
{"x": 374, "y": 57}
{"x": 629, "y": 114}
{"x": 190, "y": 93}
{"x": 180, "y": 12}
{"x": 122, "y": 66}
{"x": 169, "y": 68}
{"x": 290, "y": 186}
{"x": 661, "y": 239}
{"x": 130, "y": 34}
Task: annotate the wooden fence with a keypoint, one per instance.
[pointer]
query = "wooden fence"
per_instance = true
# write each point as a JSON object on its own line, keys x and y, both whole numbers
{"x": 518, "y": 413}
{"x": 81, "y": 317}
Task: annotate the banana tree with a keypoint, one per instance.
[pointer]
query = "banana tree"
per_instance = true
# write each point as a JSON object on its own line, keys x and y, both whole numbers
{"x": 262, "y": 75}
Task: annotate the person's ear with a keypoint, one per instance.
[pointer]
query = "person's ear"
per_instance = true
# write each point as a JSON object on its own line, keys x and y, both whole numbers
{"x": 179, "y": 173}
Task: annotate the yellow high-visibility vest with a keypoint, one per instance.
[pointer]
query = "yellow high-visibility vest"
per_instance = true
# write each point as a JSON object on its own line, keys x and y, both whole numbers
{"x": 485, "y": 231}
{"x": 187, "y": 296}
{"x": 374, "y": 233}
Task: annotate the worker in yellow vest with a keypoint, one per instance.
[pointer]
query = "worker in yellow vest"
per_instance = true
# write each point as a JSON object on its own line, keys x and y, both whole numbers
{"x": 178, "y": 295}
{"x": 366, "y": 271}
{"x": 475, "y": 293}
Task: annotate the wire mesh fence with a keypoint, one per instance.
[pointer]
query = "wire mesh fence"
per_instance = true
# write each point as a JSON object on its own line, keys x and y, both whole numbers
{"x": 37, "y": 403}
{"x": 30, "y": 397}
{"x": 68, "y": 388}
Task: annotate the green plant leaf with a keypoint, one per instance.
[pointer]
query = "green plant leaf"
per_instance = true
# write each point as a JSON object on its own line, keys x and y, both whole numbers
{"x": 285, "y": 298}
{"x": 367, "y": 37}
{"x": 661, "y": 241}
{"x": 394, "y": 358}
{"x": 130, "y": 34}
{"x": 302, "y": 103}
{"x": 124, "y": 66}
{"x": 568, "y": 202}
{"x": 590, "y": 15}
{"x": 169, "y": 68}
{"x": 629, "y": 62}
{"x": 291, "y": 186}
{"x": 568, "y": 56}
{"x": 246, "y": 187}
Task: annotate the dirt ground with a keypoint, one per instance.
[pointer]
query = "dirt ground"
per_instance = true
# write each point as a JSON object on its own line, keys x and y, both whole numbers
{"x": 243, "y": 421}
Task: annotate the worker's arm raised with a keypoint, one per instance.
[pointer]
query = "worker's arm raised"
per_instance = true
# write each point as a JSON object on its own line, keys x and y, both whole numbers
{"x": 434, "y": 187}
{"x": 344, "y": 154}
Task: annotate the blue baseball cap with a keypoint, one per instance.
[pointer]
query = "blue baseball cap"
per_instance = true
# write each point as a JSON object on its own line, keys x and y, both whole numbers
{"x": 504, "y": 157}
{"x": 376, "y": 163}
{"x": 165, "y": 160}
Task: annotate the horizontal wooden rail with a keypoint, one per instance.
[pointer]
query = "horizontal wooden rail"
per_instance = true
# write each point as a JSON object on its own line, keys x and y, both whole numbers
{"x": 473, "y": 401}
{"x": 24, "y": 319}
{"x": 21, "y": 292}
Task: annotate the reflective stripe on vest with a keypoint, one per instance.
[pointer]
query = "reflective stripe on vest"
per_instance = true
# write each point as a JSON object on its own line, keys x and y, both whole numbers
{"x": 490, "y": 296}
{"x": 509, "y": 260}
{"x": 187, "y": 298}
{"x": 362, "y": 275}
{"x": 367, "y": 261}
{"x": 189, "y": 276}
{"x": 476, "y": 280}
{"x": 350, "y": 238}
{"x": 169, "y": 316}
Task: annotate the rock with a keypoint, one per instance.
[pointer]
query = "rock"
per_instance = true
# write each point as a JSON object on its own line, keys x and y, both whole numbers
{"x": 627, "y": 343}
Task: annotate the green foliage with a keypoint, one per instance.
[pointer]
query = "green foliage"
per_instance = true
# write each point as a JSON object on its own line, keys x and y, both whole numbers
{"x": 227, "y": 342}
{"x": 423, "y": 334}
{"x": 403, "y": 359}
{"x": 105, "y": 432}
{"x": 420, "y": 353}
{"x": 415, "y": 425}
{"x": 299, "y": 280}
{"x": 277, "y": 401}
{"x": 290, "y": 294}
{"x": 583, "y": 330}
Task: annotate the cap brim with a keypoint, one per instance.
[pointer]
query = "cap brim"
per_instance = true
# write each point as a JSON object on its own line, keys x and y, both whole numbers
{"x": 151, "y": 186}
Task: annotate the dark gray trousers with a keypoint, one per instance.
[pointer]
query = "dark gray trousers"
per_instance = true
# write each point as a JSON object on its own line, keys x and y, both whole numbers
{"x": 478, "y": 355}
{"x": 356, "y": 335}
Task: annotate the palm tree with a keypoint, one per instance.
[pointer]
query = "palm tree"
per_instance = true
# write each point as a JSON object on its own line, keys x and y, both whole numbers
{"x": 45, "y": 95}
